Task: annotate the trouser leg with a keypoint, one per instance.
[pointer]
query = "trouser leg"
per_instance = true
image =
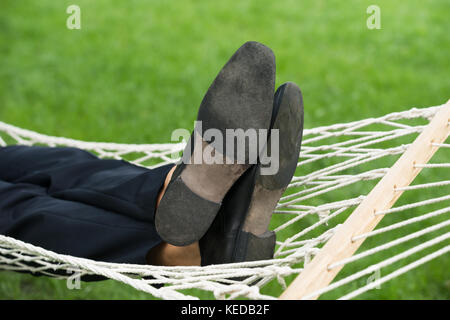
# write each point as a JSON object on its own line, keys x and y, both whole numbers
{"x": 69, "y": 201}
{"x": 29, "y": 214}
{"x": 76, "y": 175}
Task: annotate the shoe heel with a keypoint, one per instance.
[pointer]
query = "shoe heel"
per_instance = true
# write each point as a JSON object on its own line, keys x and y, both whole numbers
{"x": 192, "y": 214}
{"x": 251, "y": 247}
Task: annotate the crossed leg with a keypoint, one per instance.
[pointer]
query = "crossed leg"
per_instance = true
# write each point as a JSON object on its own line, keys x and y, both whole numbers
{"x": 69, "y": 201}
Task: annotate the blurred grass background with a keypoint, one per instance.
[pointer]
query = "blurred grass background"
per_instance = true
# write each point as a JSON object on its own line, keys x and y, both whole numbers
{"x": 138, "y": 70}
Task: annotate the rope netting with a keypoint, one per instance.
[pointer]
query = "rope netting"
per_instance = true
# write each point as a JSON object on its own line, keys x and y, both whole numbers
{"x": 338, "y": 165}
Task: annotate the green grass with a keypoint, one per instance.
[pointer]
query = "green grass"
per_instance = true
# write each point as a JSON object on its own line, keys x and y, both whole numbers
{"x": 138, "y": 70}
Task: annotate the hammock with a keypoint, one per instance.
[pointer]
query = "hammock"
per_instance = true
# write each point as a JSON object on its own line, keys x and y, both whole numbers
{"x": 325, "y": 215}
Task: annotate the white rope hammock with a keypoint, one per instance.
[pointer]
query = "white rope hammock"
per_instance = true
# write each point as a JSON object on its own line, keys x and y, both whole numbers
{"x": 338, "y": 167}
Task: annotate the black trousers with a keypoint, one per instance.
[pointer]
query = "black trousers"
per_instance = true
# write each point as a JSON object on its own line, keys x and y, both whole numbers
{"x": 71, "y": 202}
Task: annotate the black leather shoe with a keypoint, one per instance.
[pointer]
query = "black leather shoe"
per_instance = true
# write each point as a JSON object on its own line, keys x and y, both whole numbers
{"x": 239, "y": 98}
{"x": 240, "y": 230}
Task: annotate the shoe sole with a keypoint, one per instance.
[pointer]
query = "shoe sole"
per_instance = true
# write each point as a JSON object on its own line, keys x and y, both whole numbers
{"x": 240, "y": 97}
{"x": 252, "y": 199}
{"x": 258, "y": 241}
